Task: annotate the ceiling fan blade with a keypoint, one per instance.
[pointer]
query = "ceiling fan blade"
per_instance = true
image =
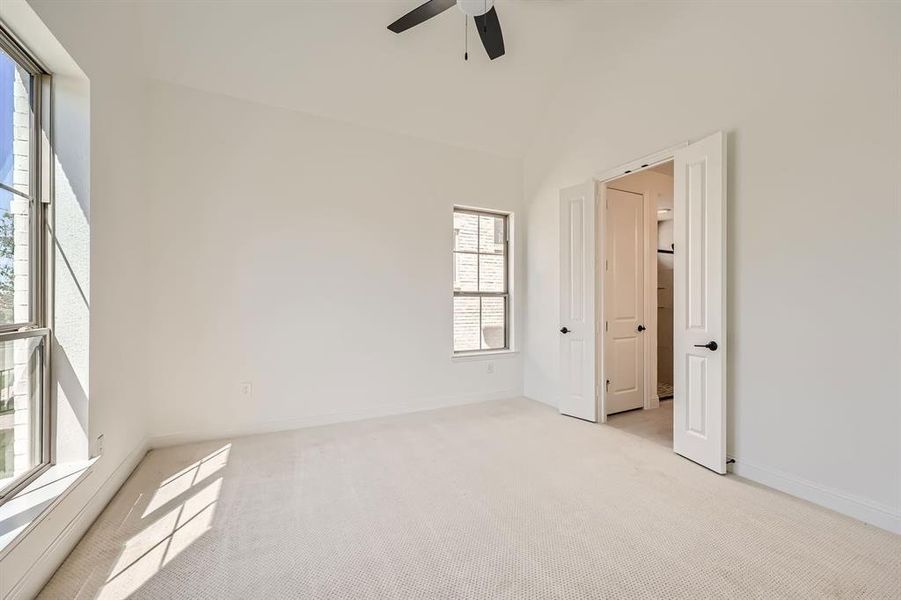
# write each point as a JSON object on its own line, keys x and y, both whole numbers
{"x": 490, "y": 31}
{"x": 421, "y": 13}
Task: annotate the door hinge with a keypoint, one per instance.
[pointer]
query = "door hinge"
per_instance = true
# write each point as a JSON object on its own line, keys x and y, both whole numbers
{"x": 606, "y": 326}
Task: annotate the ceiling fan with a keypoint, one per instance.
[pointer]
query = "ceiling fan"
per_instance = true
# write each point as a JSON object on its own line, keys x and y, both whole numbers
{"x": 482, "y": 12}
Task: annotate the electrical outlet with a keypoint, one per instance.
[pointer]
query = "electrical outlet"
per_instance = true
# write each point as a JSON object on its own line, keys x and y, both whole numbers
{"x": 490, "y": 368}
{"x": 246, "y": 389}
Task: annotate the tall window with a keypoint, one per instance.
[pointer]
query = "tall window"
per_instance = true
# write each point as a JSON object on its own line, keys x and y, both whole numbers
{"x": 24, "y": 425}
{"x": 481, "y": 288}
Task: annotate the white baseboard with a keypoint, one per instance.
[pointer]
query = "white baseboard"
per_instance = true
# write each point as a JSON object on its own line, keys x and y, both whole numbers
{"x": 544, "y": 401}
{"x": 186, "y": 437}
{"x": 874, "y": 513}
{"x": 40, "y": 571}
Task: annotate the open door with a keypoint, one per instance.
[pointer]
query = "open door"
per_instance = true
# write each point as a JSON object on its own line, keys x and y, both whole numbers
{"x": 699, "y": 315}
{"x": 624, "y": 352}
{"x": 577, "y": 396}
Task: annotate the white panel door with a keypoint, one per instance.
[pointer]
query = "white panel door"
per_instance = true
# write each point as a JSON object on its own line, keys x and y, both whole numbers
{"x": 577, "y": 382}
{"x": 624, "y": 301}
{"x": 699, "y": 332}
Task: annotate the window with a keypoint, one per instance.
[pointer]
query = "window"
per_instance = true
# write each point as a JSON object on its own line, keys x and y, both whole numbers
{"x": 24, "y": 424}
{"x": 481, "y": 288}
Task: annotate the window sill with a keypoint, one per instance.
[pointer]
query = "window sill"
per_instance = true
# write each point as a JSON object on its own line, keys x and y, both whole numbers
{"x": 486, "y": 355}
{"x": 21, "y": 513}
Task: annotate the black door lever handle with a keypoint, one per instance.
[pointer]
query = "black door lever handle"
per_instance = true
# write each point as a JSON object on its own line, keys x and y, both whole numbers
{"x": 565, "y": 330}
{"x": 641, "y": 328}
{"x": 712, "y": 346}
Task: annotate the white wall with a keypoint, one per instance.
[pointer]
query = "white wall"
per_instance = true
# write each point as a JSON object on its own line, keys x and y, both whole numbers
{"x": 809, "y": 95}
{"x": 257, "y": 244}
{"x": 263, "y": 245}
{"x": 98, "y": 250}
{"x": 311, "y": 258}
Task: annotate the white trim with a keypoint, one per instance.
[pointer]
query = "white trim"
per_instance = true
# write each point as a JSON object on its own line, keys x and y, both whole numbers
{"x": 542, "y": 401}
{"x": 478, "y": 209}
{"x": 640, "y": 164}
{"x": 50, "y": 488}
{"x": 874, "y": 513}
{"x": 600, "y": 306}
{"x": 40, "y": 571}
{"x": 199, "y": 435}
{"x": 484, "y": 355}
{"x": 649, "y": 256}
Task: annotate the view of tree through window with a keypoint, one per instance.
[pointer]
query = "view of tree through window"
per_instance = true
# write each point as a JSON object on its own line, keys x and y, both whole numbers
{"x": 22, "y": 423}
{"x": 480, "y": 281}
{"x": 15, "y": 193}
{"x": 7, "y": 282}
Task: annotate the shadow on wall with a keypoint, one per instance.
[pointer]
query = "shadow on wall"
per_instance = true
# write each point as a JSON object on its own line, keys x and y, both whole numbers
{"x": 69, "y": 231}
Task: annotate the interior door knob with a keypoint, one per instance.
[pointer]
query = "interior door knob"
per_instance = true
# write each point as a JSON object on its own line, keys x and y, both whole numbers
{"x": 712, "y": 346}
{"x": 641, "y": 328}
{"x": 565, "y": 330}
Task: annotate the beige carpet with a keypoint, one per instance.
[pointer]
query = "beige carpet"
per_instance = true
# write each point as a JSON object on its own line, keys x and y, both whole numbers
{"x": 498, "y": 500}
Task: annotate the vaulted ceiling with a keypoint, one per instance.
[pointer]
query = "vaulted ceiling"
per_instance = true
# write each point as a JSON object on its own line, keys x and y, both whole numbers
{"x": 338, "y": 60}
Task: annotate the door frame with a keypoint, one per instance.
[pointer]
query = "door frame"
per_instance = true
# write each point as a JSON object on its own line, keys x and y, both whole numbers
{"x": 601, "y": 180}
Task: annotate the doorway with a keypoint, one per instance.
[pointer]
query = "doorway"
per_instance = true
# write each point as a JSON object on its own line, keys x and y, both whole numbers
{"x": 698, "y": 306}
{"x": 638, "y": 308}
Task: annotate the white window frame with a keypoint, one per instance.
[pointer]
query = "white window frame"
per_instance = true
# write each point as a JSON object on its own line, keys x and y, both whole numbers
{"x": 39, "y": 195}
{"x": 506, "y": 294}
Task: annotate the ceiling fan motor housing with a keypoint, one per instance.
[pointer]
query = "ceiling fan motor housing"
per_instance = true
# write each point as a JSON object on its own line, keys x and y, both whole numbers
{"x": 475, "y": 8}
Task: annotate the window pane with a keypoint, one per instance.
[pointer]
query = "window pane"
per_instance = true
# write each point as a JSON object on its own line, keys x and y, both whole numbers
{"x": 466, "y": 324}
{"x": 493, "y": 329}
{"x": 480, "y": 267}
{"x": 15, "y": 125}
{"x": 491, "y": 273}
{"x": 20, "y": 407}
{"x": 15, "y": 258}
{"x": 465, "y": 272}
{"x": 15, "y": 169}
{"x": 466, "y": 232}
{"x": 491, "y": 234}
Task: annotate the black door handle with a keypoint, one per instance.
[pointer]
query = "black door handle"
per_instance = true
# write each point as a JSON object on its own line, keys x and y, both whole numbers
{"x": 712, "y": 346}
{"x": 565, "y": 330}
{"x": 641, "y": 328}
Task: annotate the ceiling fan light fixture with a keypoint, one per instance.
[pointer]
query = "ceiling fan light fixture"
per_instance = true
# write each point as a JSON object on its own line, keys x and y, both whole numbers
{"x": 475, "y": 8}
{"x": 482, "y": 12}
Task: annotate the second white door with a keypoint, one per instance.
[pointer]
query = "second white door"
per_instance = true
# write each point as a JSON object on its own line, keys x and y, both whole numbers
{"x": 624, "y": 301}
{"x": 578, "y": 383}
{"x": 699, "y": 303}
